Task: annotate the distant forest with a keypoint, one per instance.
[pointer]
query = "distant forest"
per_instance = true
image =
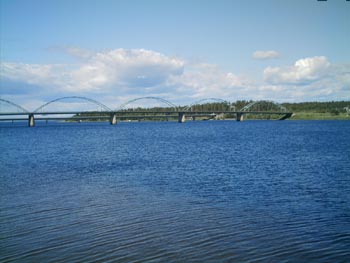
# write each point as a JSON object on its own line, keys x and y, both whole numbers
{"x": 332, "y": 107}
{"x": 320, "y": 107}
{"x": 332, "y": 110}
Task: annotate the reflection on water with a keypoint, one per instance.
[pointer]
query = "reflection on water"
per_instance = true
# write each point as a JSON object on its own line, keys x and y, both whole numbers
{"x": 256, "y": 191}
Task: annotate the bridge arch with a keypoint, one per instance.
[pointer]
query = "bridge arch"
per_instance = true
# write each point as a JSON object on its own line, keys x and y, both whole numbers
{"x": 12, "y": 104}
{"x": 198, "y": 102}
{"x": 92, "y": 101}
{"x": 264, "y": 105}
{"x": 164, "y": 101}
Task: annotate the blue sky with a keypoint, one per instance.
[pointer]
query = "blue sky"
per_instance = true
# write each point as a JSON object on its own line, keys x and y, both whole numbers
{"x": 183, "y": 50}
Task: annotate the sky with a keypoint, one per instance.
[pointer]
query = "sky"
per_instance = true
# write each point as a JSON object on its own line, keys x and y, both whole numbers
{"x": 182, "y": 51}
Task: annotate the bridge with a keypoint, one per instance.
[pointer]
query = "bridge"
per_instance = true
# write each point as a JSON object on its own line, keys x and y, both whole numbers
{"x": 10, "y": 111}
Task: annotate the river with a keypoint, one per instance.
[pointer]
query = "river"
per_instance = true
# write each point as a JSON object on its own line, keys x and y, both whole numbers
{"x": 205, "y": 191}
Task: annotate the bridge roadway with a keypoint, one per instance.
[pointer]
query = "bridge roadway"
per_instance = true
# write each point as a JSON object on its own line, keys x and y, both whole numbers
{"x": 113, "y": 116}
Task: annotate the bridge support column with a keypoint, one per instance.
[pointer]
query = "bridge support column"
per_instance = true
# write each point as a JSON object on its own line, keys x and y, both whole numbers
{"x": 113, "y": 119}
{"x": 193, "y": 118}
{"x": 286, "y": 116}
{"x": 182, "y": 117}
{"x": 239, "y": 116}
{"x": 31, "y": 120}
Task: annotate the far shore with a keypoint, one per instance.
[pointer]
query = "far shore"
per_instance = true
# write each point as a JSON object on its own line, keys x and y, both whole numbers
{"x": 319, "y": 116}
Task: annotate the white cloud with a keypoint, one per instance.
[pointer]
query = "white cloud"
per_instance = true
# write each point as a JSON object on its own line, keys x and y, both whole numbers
{"x": 205, "y": 80}
{"x": 126, "y": 68}
{"x": 313, "y": 78}
{"x": 267, "y": 54}
{"x": 303, "y": 71}
{"x": 41, "y": 76}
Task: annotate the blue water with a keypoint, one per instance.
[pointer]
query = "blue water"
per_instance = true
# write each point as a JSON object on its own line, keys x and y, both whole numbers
{"x": 215, "y": 191}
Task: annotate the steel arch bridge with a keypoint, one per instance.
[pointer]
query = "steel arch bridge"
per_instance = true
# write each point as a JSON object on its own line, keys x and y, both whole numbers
{"x": 263, "y": 107}
{"x": 198, "y": 102}
{"x": 168, "y": 103}
{"x": 17, "y": 107}
{"x": 92, "y": 101}
{"x": 254, "y": 106}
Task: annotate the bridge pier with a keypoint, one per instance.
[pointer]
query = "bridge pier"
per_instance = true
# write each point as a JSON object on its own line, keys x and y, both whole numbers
{"x": 31, "y": 120}
{"x": 113, "y": 119}
{"x": 286, "y": 116}
{"x": 182, "y": 117}
{"x": 239, "y": 116}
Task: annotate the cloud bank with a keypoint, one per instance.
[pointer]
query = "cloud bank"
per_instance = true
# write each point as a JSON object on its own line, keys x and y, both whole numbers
{"x": 119, "y": 68}
{"x": 114, "y": 76}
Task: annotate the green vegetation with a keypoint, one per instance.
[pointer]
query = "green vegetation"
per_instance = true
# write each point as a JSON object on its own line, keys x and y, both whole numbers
{"x": 333, "y": 110}
{"x": 321, "y": 107}
{"x": 319, "y": 116}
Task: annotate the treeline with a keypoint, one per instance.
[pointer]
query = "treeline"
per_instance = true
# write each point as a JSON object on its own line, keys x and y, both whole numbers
{"x": 319, "y": 107}
{"x": 332, "y": 107}
{"x": 302, "y": 111}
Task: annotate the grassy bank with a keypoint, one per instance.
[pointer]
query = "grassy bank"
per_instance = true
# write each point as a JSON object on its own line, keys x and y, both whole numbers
{"x": 319, "y": 116}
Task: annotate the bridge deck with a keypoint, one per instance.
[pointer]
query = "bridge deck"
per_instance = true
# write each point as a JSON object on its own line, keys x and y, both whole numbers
{"x": 189, "y": 113}
{"x": 126, "y": 115}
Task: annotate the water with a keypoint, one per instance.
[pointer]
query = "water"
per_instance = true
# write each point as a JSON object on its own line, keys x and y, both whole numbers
{"x": 255, "y": 191}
